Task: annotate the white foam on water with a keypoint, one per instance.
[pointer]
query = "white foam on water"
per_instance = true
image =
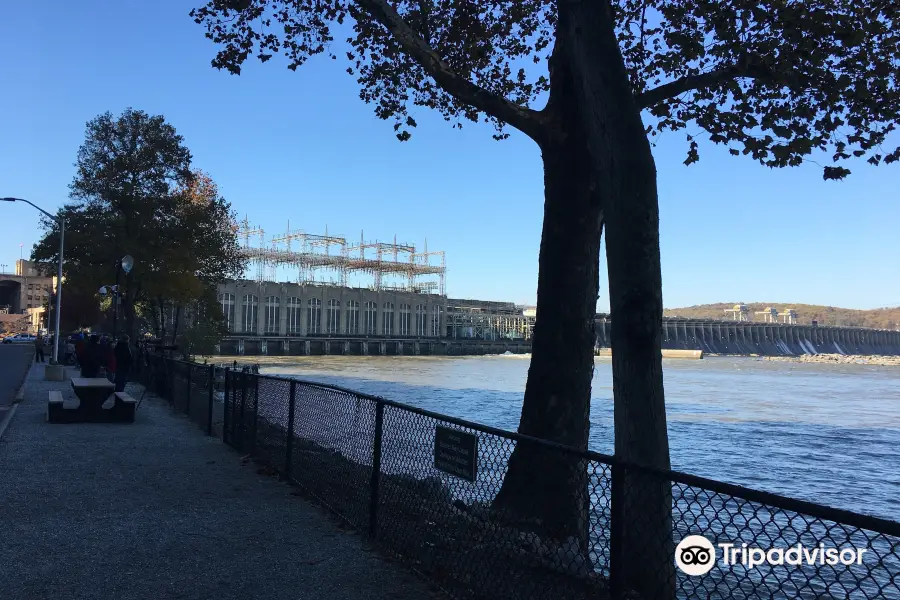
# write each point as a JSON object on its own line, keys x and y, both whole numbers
{"x": 808, "y": 346}
{"x": 839, "y": 349}
{"x": 784, "y": 347}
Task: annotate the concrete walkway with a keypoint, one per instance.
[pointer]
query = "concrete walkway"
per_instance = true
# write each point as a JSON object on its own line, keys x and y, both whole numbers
{"x": 157, "y": 510}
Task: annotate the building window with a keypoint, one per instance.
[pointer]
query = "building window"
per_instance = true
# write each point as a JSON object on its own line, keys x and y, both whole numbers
{"x": 353, "y": 317}
{"x": 333, "y": 316}
{"x": 404, "y": 319}
{"x": 251, "y": 313}
{"x": 371, "y": 312}
{"x": 273, "y": 311}
{"x": 420, "y": 320}
{"x": 387, "y": 327}
{"x": 435, "y": 321}
{"x": 228, "y": 310}
{"x": 314, "y": 316}
{"x": 294, "y": 307}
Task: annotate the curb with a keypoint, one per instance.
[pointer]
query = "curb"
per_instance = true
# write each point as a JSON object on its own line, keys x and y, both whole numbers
{"x": 6, "y": 421}
{"x": 20, "y": 395}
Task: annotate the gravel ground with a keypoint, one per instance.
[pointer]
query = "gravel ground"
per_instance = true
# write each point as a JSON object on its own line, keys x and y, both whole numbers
{"x": 157, "y": 510}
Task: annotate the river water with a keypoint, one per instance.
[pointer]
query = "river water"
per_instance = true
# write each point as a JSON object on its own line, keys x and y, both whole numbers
{"x": 824, "y": 433}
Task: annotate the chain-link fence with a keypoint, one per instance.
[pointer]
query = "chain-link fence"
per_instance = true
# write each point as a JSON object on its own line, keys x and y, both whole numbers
{"x": 192, "y": 389}
{"x": 488, "y": 513}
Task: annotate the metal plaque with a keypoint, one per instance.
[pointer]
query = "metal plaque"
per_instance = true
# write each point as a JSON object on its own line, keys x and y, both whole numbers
{"x": 456, "y": 452}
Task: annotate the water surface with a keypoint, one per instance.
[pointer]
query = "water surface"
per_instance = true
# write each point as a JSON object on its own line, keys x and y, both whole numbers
{"x": 824, "y": 433}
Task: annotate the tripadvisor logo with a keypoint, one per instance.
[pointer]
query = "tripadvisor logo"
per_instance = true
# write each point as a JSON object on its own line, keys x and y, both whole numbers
{"x": 696, "y": 555}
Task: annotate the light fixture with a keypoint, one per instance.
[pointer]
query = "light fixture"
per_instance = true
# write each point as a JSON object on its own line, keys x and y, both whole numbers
{"x": 127, "y": 263}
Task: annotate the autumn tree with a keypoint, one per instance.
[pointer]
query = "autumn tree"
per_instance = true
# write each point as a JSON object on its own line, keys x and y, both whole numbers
{"x": 135, "y": 193}
{"x": 778, "y": 81}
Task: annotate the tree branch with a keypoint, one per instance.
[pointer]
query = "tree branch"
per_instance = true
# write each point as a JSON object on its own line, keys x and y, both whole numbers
{"x": 522, "y": 118}
{"x": 749, "y": 70}
{"x": 685, "y": 84}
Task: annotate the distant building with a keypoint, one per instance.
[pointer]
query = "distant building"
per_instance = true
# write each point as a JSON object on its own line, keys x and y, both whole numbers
{"x": 28, "y": 289}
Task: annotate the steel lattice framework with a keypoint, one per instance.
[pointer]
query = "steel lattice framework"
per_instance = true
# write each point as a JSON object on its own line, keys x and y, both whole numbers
{"x": 311, "y": 254}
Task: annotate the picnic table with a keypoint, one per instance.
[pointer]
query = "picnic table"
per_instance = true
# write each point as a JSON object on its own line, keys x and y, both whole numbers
{"x": 92, "y": 392}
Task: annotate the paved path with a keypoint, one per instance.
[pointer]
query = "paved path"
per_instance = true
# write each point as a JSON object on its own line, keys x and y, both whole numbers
{"x": 14, "y": 361}
{"x": 156, "y": 510}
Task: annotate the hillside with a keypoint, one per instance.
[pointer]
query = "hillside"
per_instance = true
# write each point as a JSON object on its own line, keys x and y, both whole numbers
{"x": 881, "y": 318}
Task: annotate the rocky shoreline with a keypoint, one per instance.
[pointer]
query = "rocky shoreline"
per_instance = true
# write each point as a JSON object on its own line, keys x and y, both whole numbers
{"x": 840, "y": 359}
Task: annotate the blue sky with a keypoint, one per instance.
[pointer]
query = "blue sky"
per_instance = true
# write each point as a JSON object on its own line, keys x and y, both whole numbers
{"x": 303, "y": 147}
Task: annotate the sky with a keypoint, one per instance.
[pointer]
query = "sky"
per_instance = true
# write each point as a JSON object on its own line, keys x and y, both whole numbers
{"x": 302, "y": 147}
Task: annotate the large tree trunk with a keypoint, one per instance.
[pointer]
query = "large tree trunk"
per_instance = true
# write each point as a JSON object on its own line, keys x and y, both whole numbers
{"x": 626, "y": 179}
{"x": 598, "y": 150}
{"x": 547, "y": 491}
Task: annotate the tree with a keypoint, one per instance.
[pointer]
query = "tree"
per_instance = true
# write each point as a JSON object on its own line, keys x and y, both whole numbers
{"x": 204, "y": 328}
{"x": 778, "y": 81}
{"x": 135, "y": 194}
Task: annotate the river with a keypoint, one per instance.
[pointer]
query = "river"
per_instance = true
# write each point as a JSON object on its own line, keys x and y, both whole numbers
{"x": 824, "y": 433}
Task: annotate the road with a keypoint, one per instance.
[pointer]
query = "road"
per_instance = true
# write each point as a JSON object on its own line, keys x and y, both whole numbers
{"x": 14, "y": 362}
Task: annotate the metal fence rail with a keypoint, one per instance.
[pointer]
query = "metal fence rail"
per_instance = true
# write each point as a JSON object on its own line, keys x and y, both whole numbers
{"x": 372, "y": 462}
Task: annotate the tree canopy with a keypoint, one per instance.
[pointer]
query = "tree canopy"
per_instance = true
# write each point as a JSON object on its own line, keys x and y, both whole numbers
{"x": 776, "y": 80}
{"x": 135, "y": 193}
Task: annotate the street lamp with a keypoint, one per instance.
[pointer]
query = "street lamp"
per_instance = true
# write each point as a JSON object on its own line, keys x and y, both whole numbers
{"x": 59, "y": 275}
{"x": 125, "y": 264}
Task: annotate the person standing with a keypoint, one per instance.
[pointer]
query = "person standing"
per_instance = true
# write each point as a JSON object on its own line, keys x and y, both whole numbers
{"x": 111, "y": 360}
{"x": 39, "y": 348}
{"x": 123, "y": 359}
{"x": 90, "y": 361}
{"x": 80, "y": 346}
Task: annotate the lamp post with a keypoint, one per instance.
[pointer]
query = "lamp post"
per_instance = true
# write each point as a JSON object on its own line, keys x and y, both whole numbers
{"x": 125, "y": 264}
{"x": 59, "y": 273}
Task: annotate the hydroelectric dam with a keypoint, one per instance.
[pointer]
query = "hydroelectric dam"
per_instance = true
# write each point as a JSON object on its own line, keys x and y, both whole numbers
{"x": 765, "y": 339}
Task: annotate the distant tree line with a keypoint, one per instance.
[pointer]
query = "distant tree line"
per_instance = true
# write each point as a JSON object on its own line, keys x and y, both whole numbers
{"x": 877, "y": 318}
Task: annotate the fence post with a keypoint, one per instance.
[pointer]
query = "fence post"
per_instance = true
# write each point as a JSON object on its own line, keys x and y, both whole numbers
{"x": 225, "y": 423}
{"x": 255, "y": 410}
{"x": 241, "y": 414}
{"x": 170, "y": 381}
{"x": 187, "y": 402}
{"x": 289, "y": 446}
{"x": 212, "y": 392}
{"x": 616, "y": 530}
{"x": 376, "y": 469}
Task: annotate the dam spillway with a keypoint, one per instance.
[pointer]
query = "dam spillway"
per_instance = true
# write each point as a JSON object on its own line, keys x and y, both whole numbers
{"x": 766, "y": 339}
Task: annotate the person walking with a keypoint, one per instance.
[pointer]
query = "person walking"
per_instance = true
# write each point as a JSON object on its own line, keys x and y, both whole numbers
{"x": 39, "y": 348}
{"x": 123, "y": 359}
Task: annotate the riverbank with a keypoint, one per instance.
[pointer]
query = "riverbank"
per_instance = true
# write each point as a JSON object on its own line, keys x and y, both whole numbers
{"x": 840, "y": 359}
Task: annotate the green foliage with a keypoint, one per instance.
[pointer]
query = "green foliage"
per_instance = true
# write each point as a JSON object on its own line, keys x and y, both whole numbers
{"x": 134, "y": 193}
{"x": 204, "y": 329}
{"x": 774, "y": 80}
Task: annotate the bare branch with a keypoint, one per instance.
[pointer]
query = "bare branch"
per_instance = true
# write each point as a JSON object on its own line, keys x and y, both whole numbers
{"x": 686, "y": 84}
{"x": 522, "y": 118}
{"x": 712, "y": 79}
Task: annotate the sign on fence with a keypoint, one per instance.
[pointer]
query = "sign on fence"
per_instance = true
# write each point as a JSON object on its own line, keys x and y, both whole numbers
{"x": 456, "y": 452}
